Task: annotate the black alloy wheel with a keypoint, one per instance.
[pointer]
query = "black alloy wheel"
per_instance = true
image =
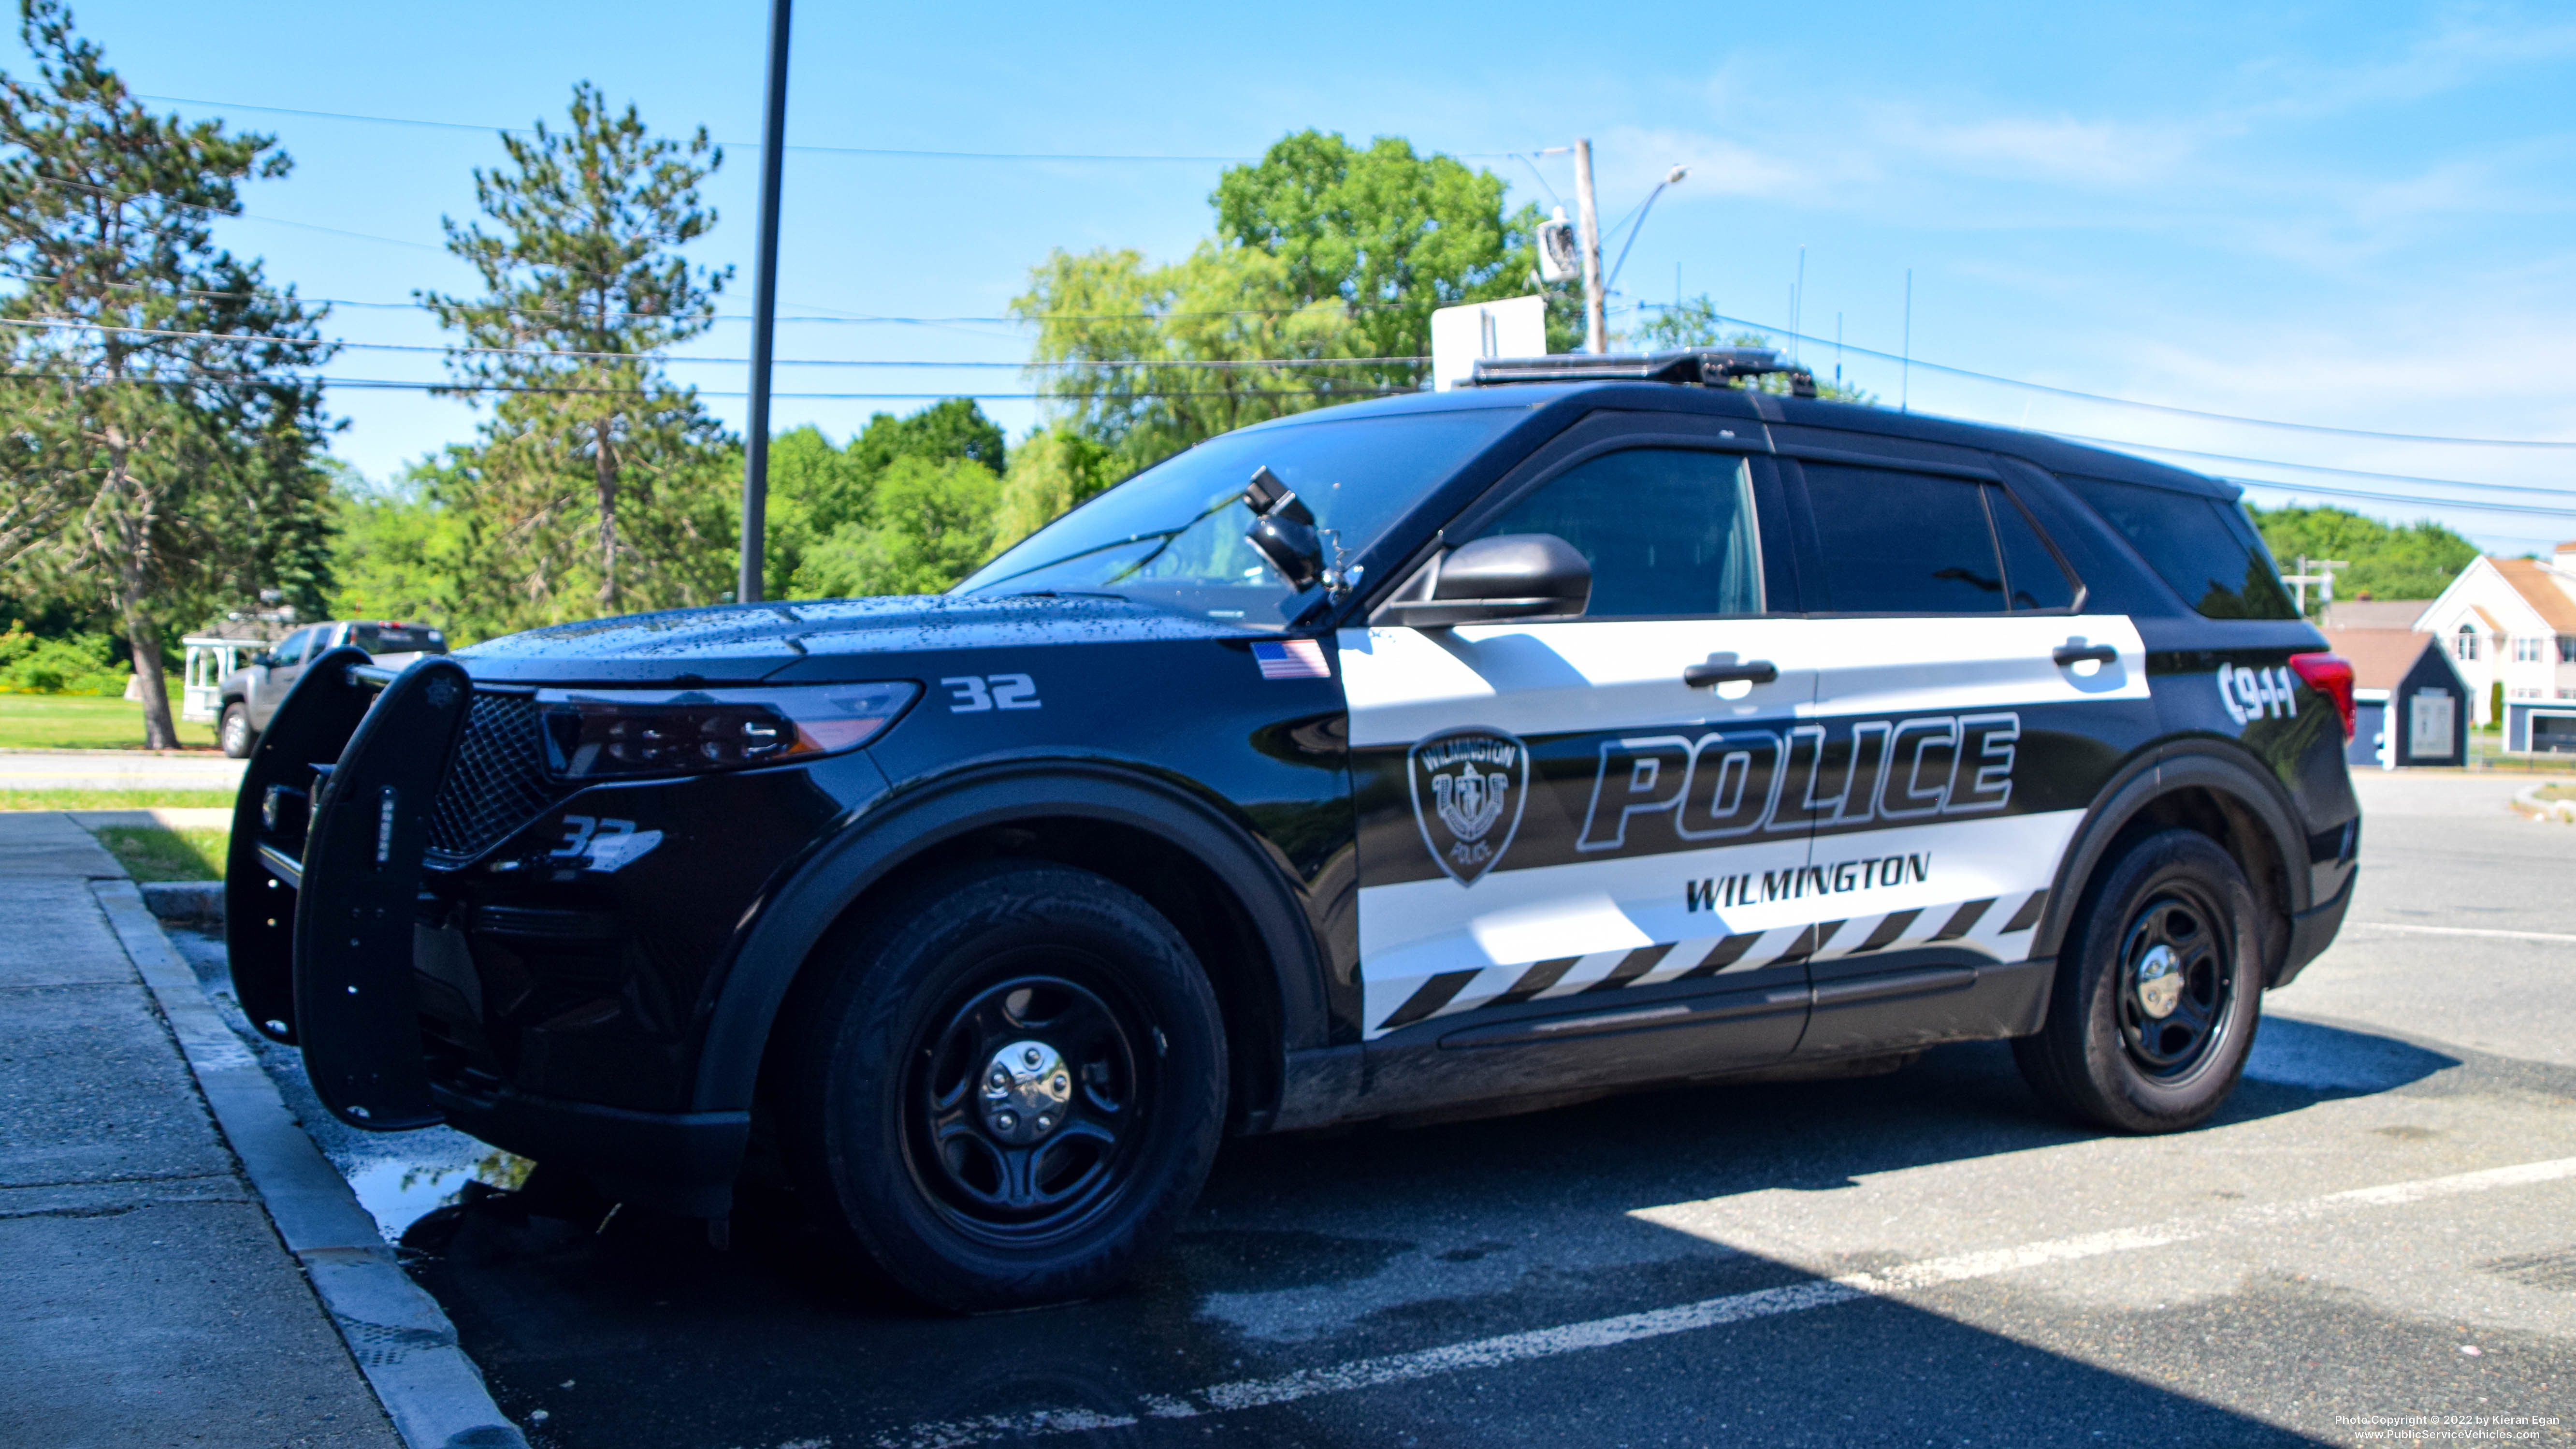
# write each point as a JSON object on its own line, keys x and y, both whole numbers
{"x": 2176, "y": 980}
{"x": 1026, "y": 1103}
{"x": 1006, "y": 1084}
{"x": 2158, "y": 990}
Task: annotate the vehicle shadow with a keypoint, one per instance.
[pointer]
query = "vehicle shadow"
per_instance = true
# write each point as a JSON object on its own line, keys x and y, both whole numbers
{"x": 1314, "y": 1250}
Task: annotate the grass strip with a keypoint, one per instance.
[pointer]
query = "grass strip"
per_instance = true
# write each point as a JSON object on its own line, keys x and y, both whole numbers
{"x": 115, "y": 799}
{"x": 152, "y": 852}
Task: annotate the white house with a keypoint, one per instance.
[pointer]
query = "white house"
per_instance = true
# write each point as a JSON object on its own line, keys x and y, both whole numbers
{"x": 2511, "y": 620}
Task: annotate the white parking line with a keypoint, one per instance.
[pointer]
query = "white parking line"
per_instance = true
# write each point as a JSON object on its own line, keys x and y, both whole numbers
{"x": 1700, "y": 1219}
{"x": 2465, "y": 931}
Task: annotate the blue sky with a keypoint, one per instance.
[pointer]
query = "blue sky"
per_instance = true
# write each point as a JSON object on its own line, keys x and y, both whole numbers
{"x": 2350, "y": 215}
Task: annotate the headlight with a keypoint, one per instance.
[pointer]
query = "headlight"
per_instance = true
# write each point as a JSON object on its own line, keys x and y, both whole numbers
{"x": 595, "y": 734}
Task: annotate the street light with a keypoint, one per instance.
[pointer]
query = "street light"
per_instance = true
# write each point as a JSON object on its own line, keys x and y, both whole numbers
{"x": 1672, "y": 177}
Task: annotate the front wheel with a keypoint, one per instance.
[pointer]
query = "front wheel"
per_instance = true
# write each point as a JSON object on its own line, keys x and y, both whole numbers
{"x": 235, "y": 732}
{"x": 1010, "y": 1087}
{"x": 2159, "y": 987}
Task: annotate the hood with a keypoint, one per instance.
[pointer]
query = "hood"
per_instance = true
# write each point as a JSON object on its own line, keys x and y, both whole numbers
{"x": 817, "y": 641}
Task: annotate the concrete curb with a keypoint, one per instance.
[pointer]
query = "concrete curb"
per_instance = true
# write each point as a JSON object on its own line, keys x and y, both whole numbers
{"x": 2527, "y": 801}
{"x": 193, "y": 902}
{"x": 398, "y": 1334}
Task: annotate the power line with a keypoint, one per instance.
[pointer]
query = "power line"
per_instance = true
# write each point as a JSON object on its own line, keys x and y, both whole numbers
{"x": 887, "y": 151}
{"x": 2150, "y": 406}
{"x": 201, "y": 376}
{"x": 2455, "y": 504}
{"x": 2313, "y": 467}
{"x": 1210, "y": 364}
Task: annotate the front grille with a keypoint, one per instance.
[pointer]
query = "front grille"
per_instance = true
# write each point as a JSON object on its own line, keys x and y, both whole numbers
{"x": 497, "y": 781}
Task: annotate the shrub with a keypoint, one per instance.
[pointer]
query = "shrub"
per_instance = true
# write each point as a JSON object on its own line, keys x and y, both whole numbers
{"x": 64, "y": 664}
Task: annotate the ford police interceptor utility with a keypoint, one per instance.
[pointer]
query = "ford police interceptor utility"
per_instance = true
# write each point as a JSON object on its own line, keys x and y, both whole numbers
{"x": 1607, "y": 723}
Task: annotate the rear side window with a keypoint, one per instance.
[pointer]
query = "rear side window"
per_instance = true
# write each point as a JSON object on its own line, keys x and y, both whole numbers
{"x": 1903, "y": 543}
{"x": 2201, "y": 546}
{"x": 1669, "y": 532}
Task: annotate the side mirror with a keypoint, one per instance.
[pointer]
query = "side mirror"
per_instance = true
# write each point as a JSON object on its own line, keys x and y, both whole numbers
{"x": 262, "y": 659}
{"x": 1513, "y": 576}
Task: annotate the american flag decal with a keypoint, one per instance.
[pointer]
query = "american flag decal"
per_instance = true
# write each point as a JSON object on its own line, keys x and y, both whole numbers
{"x": 1292, "y": 659}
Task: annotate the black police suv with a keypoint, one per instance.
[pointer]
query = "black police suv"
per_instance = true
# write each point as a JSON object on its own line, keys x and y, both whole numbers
{"x": 1603, "y": 724}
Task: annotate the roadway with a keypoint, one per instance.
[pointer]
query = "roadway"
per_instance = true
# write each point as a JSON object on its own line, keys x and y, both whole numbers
{"x": 117, "y": 770}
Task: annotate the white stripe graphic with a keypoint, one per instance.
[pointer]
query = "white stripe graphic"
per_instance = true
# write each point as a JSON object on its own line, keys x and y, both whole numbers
{"x": 1716, "y": 1312}
{"x": 1606, "y": 674}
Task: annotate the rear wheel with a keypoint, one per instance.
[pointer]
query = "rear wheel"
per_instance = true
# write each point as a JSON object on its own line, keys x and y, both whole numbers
{"x": 2158, "y": 992}
{"x": 1010, "y": 1087}
{"x": 235, "y": 733}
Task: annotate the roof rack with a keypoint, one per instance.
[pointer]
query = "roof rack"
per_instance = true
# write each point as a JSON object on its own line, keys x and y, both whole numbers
{"x": 1704, "y": 366}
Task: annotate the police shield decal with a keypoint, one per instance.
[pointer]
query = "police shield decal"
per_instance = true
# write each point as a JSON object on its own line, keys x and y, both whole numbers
{"x": 1468, "y": 788}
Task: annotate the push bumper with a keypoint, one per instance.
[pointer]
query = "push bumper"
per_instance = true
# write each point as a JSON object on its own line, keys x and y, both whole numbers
{"x": 682, "y": 1162}
{"x": 329, "y": 834}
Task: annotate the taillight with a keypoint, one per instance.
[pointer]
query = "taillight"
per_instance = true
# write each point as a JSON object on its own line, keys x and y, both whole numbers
{"x": 2331, "y": 676}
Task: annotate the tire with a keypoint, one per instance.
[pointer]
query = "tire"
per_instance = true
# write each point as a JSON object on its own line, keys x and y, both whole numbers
{"x": 2158, "y": 992}
{"x": 958, "y": 1184}
{"x": 238, "y": 738}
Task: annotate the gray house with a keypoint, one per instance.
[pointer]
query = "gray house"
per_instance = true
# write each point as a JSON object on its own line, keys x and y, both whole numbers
{"x": 2410, "y": 706}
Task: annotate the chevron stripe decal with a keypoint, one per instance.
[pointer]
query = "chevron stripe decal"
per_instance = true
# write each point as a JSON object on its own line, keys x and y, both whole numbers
{"x": 1969, "y": 923}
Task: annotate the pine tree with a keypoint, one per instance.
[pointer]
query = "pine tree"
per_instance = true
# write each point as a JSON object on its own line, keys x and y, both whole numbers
{"x": 161, "y": 438}
{"x": 584, "y": 288}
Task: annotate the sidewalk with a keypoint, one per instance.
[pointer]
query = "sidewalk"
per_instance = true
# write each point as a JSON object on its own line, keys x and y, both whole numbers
{"x": 146, "y": 1299}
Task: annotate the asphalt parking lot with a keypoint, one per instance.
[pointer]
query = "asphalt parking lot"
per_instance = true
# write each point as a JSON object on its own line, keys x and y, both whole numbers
{"x": 2379, "y": 1230}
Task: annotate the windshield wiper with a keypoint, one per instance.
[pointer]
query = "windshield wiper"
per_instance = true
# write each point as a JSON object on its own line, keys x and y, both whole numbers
{"x": 1160, "y": 536}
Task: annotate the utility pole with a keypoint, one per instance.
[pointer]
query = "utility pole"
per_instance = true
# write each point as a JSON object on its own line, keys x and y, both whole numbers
{"x": 1595, "y": 329}
{"x": 764, "y": 321}
{"x": 2317, "y": 571}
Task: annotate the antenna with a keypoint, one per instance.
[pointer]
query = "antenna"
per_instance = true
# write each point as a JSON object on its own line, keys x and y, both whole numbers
{"x": 1797, "y": 300}
{"x": 1905, "y": 377}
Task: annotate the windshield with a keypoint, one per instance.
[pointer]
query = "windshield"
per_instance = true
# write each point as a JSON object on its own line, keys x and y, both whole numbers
{"x": 1174, "y": 534}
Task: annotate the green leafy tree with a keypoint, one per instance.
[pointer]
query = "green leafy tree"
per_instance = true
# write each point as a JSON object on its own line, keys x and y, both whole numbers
{"x": 2389, "y": 561}
{"x": 816, "y": 489}
{"x": 1318, "y": 287}
{"x": 599, "y": 484}
{"x": 930, "y": 523}
{"x": 1695, "y": 323}
{"x": 950, "y": 428}
{"x": 1390, "y": 234}
{"x": 401, "y": 552}
{"x": 1052, "y": 470}
{"x": 160, "y": 435}
{"x": 1146, "y": 361}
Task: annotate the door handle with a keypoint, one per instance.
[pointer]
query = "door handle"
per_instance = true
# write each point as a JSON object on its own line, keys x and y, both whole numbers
{"x": 2067, "y": 654}
{"x": 1753, "y": 671}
